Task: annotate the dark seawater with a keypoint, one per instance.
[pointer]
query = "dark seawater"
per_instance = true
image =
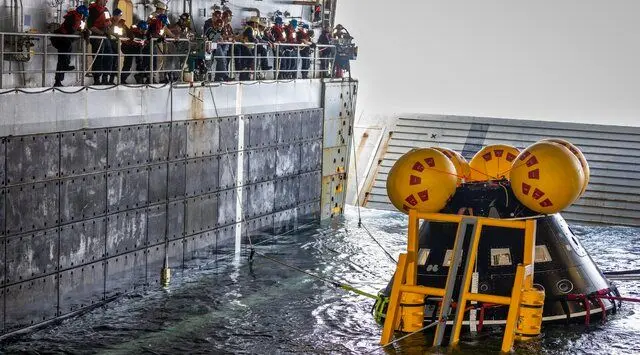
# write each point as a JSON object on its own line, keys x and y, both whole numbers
{"x": 265, "y": 308}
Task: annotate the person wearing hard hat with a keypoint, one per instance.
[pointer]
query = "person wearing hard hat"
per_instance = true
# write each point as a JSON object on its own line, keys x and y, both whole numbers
{"x": 156, "y": 35}
{"x": 161, "y": 8}
{"x": 284, "y": 54}
{"x": 325, "y": 53}
{"x": 72, "y": 24}
{"x": 177, "y": 51}
{"x": 259, "y": 28}
{"x": 133, "y": 42}
{"x": 291, "y": 33}
{"x": 304, "y": 38}
{"x": 98, "y": 22}
{"x": 114, "y": 33}
{"x": 244, "y": 53}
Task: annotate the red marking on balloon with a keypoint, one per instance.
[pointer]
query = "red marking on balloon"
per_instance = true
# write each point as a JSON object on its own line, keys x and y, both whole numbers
{"x": 411, "y": 200}
{"x": 525, "y": 188}
{"x": 510, "y": 157}
{"x": 533, "y": 161}
{"x": 418, "y": 167}
{"x": 546, "y": 203}
{"x": 498, "y": 152}
{"x": 430, "y": 162}
{"x": 414, "y": 180}
{"x": 537, "y": 194}
{"x": 424, "y": 195}
{"x": 534, "y": 174}
{"x": 405, "y": 207}
{"x": 524, "y": 155}
{"x": 447, "y": 154}
{"x": 487, "y": 156}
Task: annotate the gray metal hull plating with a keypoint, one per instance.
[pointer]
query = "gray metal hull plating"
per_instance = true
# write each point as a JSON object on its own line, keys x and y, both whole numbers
{"x": 88, "y": 212}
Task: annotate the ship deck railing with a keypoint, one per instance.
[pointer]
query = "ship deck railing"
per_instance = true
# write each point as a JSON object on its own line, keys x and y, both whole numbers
{"x": 28, "y": 60}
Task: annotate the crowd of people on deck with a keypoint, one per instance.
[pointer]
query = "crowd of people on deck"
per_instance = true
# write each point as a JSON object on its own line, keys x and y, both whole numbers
{"x": 159, "y": 61}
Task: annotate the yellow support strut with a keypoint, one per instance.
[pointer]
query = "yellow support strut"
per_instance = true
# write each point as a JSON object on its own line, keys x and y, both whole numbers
{"x": 404, "y": 288}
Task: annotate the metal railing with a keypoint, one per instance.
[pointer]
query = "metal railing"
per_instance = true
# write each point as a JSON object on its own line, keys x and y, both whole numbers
{"x": 30, "y": 56}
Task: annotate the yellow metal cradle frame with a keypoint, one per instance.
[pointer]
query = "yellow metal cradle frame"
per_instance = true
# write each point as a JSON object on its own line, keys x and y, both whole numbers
{"x": 405, "y": 288}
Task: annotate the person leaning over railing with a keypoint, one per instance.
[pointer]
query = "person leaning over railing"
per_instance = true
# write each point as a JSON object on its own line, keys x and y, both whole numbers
{"x": 280, "y": 37}
{"x": 98, "y": 22}
{"x": 73, "y": 24}
{"x": 177, "y": 51}
{"x": 133, "y": 45}
{"x": 290, "y": 32}
{"x": 114, "y": 33}
{"x": 304, "y": 36}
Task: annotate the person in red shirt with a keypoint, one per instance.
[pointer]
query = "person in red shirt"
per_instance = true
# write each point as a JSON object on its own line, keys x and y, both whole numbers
{"x": 158, "y": 31}
{"x": 284, "y": 53}
{"x": 133, "y": 42}
{"x": 98, "y": 23}
{"x": 72, "y": 25}
{"x": 317, "y": 11}
{"x": 291, "y": 33}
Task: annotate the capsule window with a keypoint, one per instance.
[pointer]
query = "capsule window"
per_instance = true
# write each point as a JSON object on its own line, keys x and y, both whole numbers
{"x": 500, "y": 257}
{"x": 423, "y": 255}
{"x": 448, "y": 256}
{"x": 542, "y": 254}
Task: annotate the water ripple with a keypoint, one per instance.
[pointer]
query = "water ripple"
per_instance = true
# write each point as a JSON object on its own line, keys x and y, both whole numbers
{"x": 266, "y": 308}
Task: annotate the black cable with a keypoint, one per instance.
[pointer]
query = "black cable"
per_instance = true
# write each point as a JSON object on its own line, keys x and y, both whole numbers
{"x": 93, "y": 87}
{"x": 380, "y": 245}
{"x": 622, "y": 272}
{"x": 57, "y": 89}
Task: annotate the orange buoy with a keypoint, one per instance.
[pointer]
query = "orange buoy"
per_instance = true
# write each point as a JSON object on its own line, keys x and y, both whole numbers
{"x": 422, "y": 179}
{"x": 578, "y": 153}
{"x": 547, "y": 177}
{"x": 459, "y": 162}
{"x": 493, "y": 162}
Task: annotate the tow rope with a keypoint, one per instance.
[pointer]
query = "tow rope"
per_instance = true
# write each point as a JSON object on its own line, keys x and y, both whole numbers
{"x": 355, "y": 166}
{"x": 622, "y": 272}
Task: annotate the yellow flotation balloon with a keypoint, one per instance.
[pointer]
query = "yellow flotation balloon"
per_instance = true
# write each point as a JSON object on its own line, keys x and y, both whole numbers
{"x": 422, "y": 179}
{"x": 459, "y": 162}
{"x": 493, "y": 162}
{"x": 579, "y": 155}
{"x": 547, "y": 177}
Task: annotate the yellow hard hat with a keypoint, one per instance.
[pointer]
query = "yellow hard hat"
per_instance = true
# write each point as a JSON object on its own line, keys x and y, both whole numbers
{"x": 161, "y": 5}
{"x": 254, "y": 19}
